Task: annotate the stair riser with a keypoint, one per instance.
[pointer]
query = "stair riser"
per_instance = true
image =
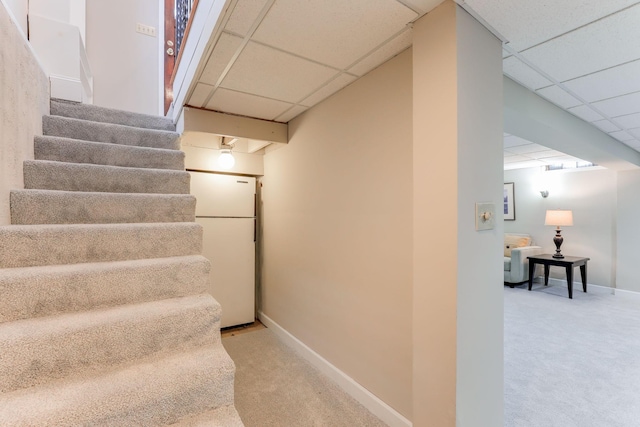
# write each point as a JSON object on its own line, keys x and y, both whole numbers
{"x": 50, "y": 290}
{"x": 40, "y": 350}
{"x": 151, "y": 394}
{"x": 109, "y": 133}
{"x": 26, "y": 246}
{"x": 107, "y": 115}
{"x": 76, "y": 151}
{"x": 43, "y": 175}
{"x": 62, "y": 207}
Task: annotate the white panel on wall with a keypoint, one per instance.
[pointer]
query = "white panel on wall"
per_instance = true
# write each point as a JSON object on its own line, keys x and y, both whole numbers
{"x": 124, "y": 63}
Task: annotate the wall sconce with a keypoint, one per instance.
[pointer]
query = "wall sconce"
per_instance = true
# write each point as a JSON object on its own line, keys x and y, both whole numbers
{"x": 544, "y": 193}
{"x": 226, "y": 159}
{"x": 558, "y": 218}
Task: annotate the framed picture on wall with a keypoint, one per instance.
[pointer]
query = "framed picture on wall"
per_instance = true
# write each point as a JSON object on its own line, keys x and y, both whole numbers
{"x": 509, "y": 202}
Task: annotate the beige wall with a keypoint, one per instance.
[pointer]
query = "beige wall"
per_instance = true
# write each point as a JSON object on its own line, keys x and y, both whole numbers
{"x": 18, "y": 9}
{"x": 337, "y": 231}
{"x": 24, "y": 98}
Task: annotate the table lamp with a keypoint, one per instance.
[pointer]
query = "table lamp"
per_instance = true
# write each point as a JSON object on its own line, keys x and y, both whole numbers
{"x": 558, "y": 218}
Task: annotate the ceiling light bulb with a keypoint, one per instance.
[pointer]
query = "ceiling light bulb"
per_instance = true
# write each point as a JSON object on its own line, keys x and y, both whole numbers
{"x": 226, "y": 159}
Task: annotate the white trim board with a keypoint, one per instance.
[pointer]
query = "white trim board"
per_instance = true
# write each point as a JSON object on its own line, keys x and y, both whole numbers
{"x": 577, "y": 286}
{"x": 374, "y": 404}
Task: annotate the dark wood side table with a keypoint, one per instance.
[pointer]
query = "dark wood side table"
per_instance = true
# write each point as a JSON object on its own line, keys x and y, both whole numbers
{"x": 568, "y": 262}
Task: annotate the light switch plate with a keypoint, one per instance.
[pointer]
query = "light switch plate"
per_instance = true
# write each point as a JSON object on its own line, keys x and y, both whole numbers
{"x": 485, "y": 216}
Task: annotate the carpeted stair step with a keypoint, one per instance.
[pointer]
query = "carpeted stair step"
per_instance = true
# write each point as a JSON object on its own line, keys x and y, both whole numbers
{"x": 101, "y": 114}
{"x": 47, "y": 175}
{"x": 37, "y": 351}
{"x": 155, "y": 393}
{"x": 76, "y": 151}
{"x": 32, "y": 245}
{"x": 225, "y": 416}
{"x": 107, "y": 132}
{"x": 75, "y": 207}
{"x": 57, "y": 289}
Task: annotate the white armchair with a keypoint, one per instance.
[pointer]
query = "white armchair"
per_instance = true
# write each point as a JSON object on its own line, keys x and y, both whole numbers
{"x": 516, "y": 265}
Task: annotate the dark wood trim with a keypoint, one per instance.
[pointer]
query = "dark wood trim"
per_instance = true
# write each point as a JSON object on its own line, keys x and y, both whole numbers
{"x": 169, "y": 60}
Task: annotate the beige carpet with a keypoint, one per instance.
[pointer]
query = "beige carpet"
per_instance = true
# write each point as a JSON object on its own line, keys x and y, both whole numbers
{"x": 276, "y": 387}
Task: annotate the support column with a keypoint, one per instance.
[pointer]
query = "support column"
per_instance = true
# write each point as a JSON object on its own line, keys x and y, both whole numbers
{"x": 457, "y": 280}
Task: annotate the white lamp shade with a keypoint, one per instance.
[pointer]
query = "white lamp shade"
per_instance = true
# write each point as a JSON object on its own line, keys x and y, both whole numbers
{"x": 559, "y": 218}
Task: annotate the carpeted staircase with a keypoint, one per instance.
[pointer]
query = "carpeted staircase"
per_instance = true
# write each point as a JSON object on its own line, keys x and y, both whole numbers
{"x": 104, "y": 319}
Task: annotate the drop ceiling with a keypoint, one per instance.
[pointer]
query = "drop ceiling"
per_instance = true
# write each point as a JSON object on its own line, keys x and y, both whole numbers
{"x": 274, "y": 59}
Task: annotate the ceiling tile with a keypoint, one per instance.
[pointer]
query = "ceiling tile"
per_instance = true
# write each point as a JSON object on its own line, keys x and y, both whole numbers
{"x": 421, "y": 6}
{"x": 394, "y": 46}
{"x": 629, "y": 121}
{"x": 609, "y": 83}
{"x": 522, "y": 73}
{"x": 229, "y": 101}
{"x": 330, "y": 88}
{"x": 512, "y": 159}
{"x": 600, "y": 45}
{"x": 526, "y": 148}
{"x": 320, "y": 30}
{"x": 526, "y": 23}
{"x": 585, "y": 113}
{"x": 274, "y": 74}
{"x": 621, "y": 135}
{"x": 620, "y": 106}
{"x": 200, "y": 95}
{"x": 505, "y": 54}
{"x": 291, "y": 113}
{"x": 606, "y": 126}
{"x": 635, "y": 132}
{"x": 514, "y": 141}
{"x": 546, "y": 154}
{"x": 559, "y": 97}
{"x": 244, "y": 15}
{"x": 223, "y": 53}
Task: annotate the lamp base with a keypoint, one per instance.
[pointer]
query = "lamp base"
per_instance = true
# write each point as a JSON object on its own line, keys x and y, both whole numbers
{"x": 557, "y": 239}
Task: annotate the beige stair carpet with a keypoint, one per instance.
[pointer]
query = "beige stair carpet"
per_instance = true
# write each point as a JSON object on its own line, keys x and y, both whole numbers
{"x": 104, "y": 319}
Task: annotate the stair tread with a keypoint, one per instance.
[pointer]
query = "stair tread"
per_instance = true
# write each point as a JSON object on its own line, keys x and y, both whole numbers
{"x": 39, "y": 291}
{"x": 42, "y": 349}
{"x": 109, "y": 133}
{"x": 57, "y": 148}
{"x": 60, "y": 107}
{"x": 51, "y": 244}
{"x": 155, "y": 392}
{"x": 34, "y": 206}
{"x": 51, "y": 175}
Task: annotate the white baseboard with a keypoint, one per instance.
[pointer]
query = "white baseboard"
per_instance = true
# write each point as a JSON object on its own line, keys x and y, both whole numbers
{"x": 376, "y": 406}
{"x": 63, "y": 87}
{"x": 577, "y": 286}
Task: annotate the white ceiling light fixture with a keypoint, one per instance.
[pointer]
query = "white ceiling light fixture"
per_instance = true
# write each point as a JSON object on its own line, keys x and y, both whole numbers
{"x": 226, "y": 160}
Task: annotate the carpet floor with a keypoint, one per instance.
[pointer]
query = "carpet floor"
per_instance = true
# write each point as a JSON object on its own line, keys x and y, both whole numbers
{"x": 276, "y": 387}
{"x": 571, "y": 363}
